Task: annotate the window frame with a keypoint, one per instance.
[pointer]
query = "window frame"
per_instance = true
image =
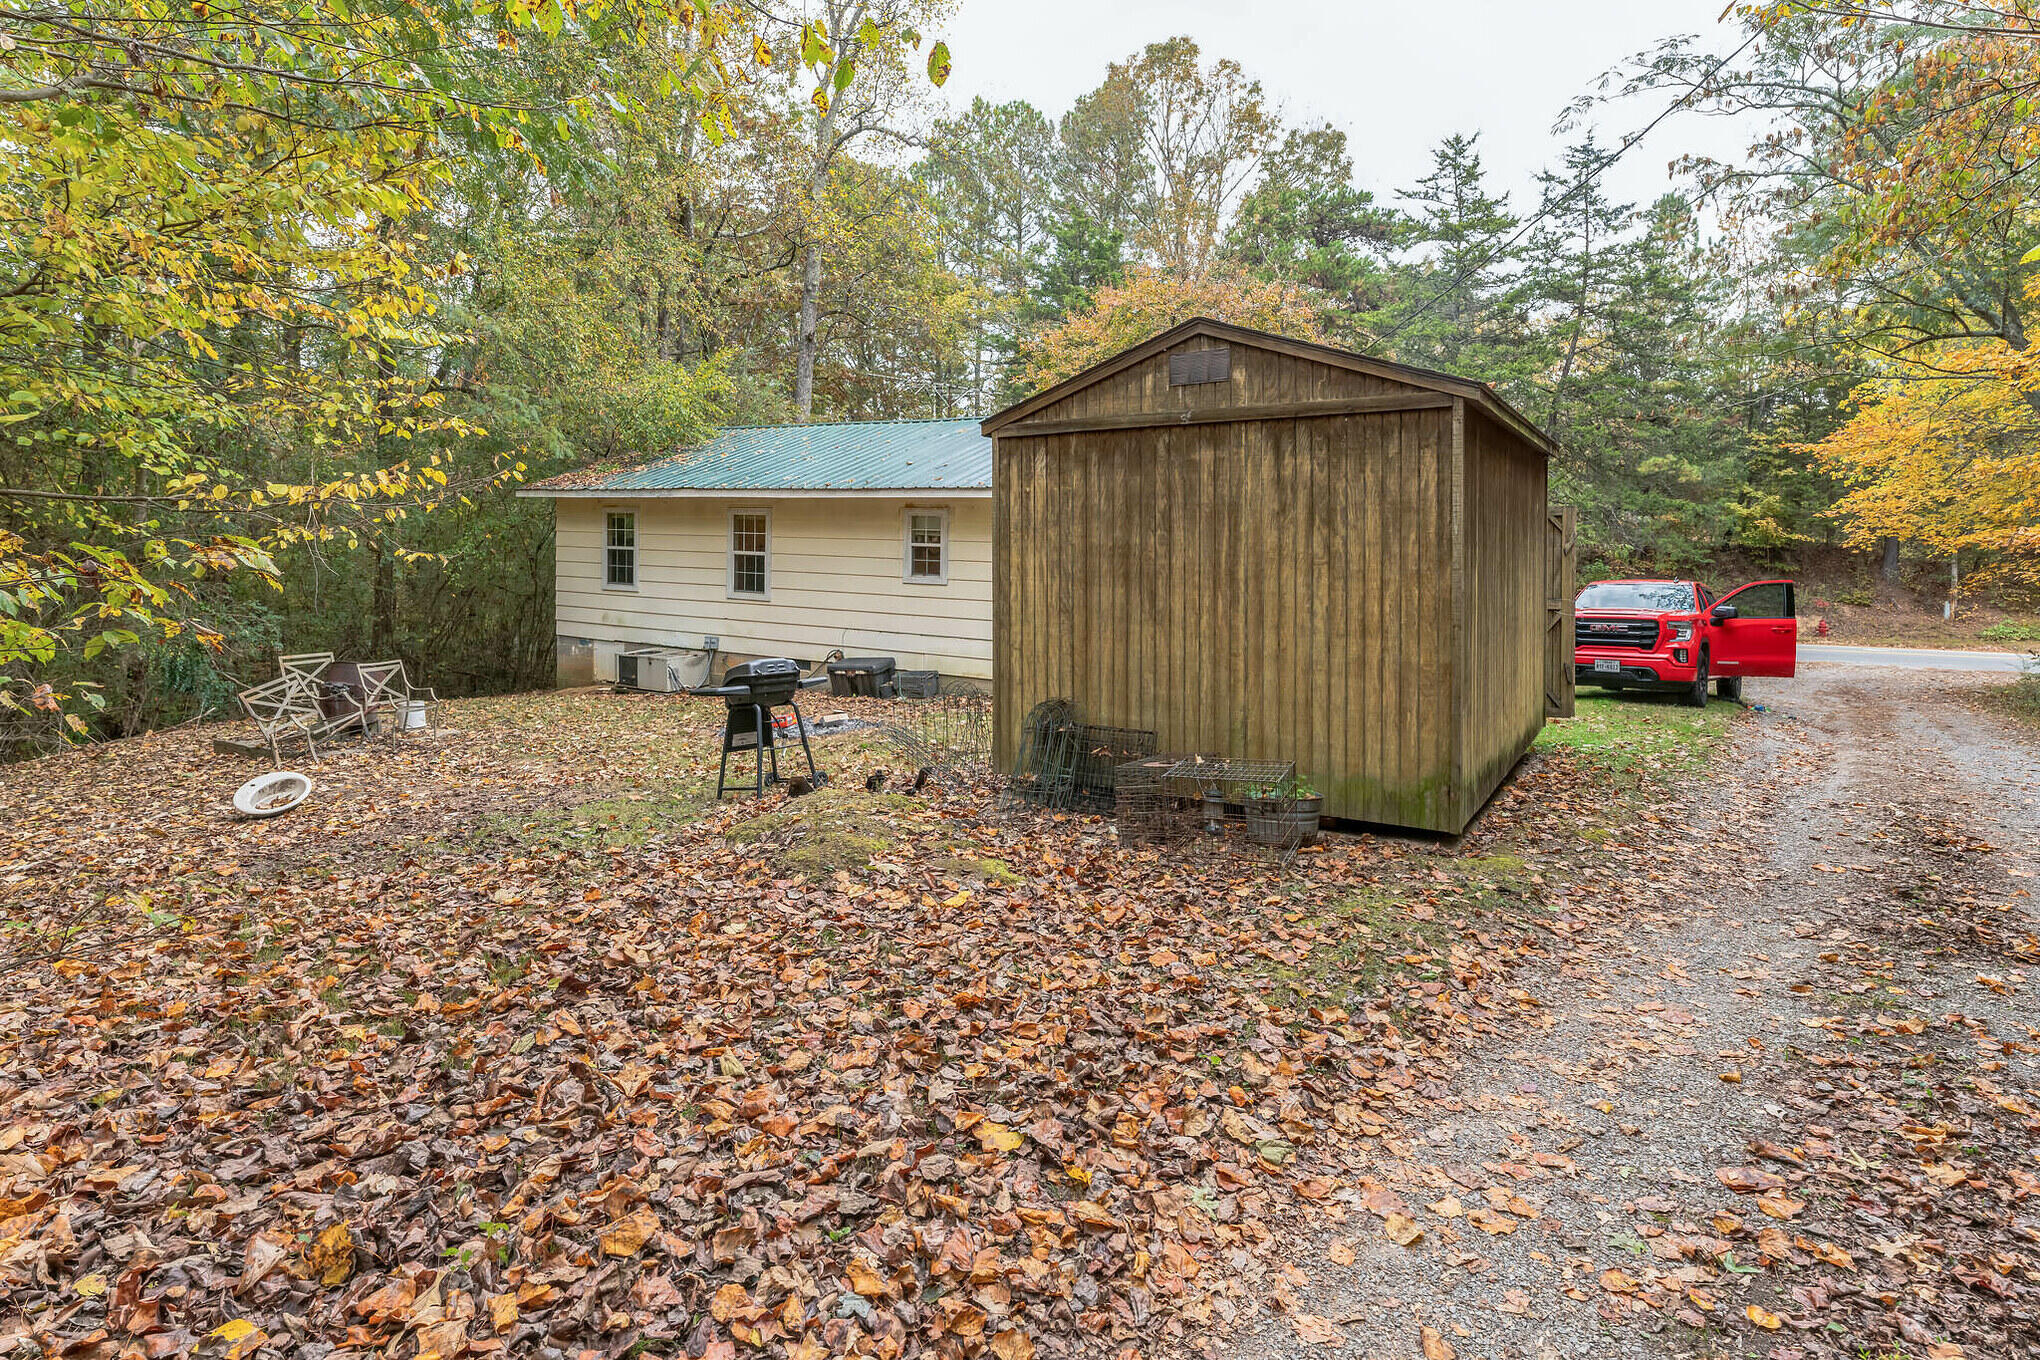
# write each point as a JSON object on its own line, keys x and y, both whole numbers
{"x": 907, "y": 574}
{"x": 609, "y": 515}
{"x": 730, "y": 590}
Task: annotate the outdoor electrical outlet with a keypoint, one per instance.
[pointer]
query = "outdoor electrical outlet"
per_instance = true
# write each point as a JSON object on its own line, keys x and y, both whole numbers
{"x": 711, "y": 643}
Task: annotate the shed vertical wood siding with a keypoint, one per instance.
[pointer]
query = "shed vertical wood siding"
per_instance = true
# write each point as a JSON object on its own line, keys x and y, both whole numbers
{"x": 1360, "y": 592}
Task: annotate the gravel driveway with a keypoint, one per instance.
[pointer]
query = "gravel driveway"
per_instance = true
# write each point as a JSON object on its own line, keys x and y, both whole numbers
{"x": 1847, "y": 878}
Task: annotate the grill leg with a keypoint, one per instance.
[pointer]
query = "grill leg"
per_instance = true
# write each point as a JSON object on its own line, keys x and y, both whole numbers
{"x": 759, "y": 711}
{"x": 800, "y": 726}
{"x": 723, "y": 773}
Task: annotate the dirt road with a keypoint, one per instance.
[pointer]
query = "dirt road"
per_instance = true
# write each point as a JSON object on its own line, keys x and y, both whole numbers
{"x": 1782, "y": 1104}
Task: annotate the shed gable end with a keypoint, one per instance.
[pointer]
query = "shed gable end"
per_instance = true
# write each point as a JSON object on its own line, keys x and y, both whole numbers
{"x": 1200, "y": 374}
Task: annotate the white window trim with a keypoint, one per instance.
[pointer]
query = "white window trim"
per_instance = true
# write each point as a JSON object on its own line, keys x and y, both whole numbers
{"x": 635, "y": 563}
{"x": 730, "y": 590}
{"x": 907, "y": 545}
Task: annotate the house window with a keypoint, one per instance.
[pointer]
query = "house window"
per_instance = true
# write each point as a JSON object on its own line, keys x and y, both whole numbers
{"x": 619, "y": 550}
{"x": 927, "y": 547}
{"x": 750, "y": 570}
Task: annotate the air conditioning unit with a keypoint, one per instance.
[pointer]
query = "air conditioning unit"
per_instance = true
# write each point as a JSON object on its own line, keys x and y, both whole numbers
{"x": 662, "y": 670}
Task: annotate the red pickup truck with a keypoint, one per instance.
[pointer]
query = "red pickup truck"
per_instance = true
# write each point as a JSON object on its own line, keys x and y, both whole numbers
{"x": 1677, "y": 635}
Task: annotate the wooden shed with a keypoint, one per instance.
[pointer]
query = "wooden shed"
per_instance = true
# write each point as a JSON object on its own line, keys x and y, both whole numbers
{"x": 1270, "y": 549}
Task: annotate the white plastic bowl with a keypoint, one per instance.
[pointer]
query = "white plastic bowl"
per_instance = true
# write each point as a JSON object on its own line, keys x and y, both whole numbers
{"x": 268, "y": 794}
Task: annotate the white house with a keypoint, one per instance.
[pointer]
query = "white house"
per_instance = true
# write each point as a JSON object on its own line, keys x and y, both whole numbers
{"x": 783, "y": 540}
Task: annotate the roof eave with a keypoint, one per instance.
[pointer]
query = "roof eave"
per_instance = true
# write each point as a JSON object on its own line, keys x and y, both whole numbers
{"x": 636, "y": 493}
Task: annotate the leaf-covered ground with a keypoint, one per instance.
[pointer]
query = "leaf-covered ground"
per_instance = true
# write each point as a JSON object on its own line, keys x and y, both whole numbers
{"x": 510, "y": 1040}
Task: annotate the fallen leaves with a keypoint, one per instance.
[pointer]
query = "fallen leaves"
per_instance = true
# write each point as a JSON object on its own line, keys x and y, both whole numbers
{"x": 1763, "y": 1317}
{"x": 1436, "y": 1347}
{"x": 456, "y": 1064}
{"x": 1317, "y": 1331}
{"x": 1401, "y": 1229}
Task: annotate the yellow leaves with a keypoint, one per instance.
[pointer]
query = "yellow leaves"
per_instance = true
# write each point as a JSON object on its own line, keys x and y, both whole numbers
{"x": 243, "y": 1338}
{"x": 331, "y": 1255}
{"x": 998, "y": 1138}
{"x": 627, "y": 1236}
{"x": 1763, "y": 1317}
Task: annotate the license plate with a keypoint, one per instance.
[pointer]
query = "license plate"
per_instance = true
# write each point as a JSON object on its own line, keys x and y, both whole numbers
{"x": 1607, "y": 666}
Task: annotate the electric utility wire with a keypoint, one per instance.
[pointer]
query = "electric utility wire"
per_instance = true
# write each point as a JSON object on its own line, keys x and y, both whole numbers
{"x": 1584, "y": 182}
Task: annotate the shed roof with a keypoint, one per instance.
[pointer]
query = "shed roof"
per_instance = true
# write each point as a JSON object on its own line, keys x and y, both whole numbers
{"x": 865, "y": 457}
{"x": 1474, "y": 391}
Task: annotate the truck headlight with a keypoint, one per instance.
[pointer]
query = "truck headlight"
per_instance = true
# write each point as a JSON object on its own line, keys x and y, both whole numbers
{"x": 1682, "y": 632}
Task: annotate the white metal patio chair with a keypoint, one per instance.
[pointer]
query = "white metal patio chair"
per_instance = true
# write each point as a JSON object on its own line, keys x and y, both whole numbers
{"x": 386, "y": 686}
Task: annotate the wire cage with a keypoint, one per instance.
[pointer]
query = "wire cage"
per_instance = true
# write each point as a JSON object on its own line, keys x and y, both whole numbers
{"x": 1095, "y": 754}
{"x": 951, "y": 735}
{"x": 1147, "y": 809}
{"x": 1068, "y": 764}
{"x": 1222, "y": 785}
{"x": 1037, "y": 773}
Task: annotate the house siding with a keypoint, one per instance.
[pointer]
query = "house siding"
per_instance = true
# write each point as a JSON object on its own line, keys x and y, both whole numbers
{"x": 835, "y": 571}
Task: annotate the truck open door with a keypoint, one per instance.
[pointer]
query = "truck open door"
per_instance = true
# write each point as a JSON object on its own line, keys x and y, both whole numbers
{"x": 1754, "y": 630}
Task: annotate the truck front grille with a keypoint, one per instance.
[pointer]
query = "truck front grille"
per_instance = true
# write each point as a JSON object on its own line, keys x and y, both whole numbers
{"x": 1638, "y": 633}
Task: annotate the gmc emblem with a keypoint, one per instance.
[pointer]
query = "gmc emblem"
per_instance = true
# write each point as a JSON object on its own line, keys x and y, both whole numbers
{"x": 1605, "y": 627}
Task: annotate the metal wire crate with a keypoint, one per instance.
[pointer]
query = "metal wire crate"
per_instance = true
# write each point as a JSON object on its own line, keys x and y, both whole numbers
{"x": 1147, "y": 809}
{"x": 1095, "y": 754}
{"x": 1041, "y": 767}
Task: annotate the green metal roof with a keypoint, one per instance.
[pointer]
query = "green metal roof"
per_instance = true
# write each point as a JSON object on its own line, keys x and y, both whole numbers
{"x": 865, "y": 455}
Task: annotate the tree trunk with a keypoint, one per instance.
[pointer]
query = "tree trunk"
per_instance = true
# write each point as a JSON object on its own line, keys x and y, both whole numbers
{"x": 1888, "y": 546}
{"x": 382, "y": 610}
{"x": 810, "y": 315}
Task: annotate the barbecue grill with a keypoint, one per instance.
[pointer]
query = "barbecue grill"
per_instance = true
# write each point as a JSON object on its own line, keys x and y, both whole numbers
{"x": 751, "y": 691}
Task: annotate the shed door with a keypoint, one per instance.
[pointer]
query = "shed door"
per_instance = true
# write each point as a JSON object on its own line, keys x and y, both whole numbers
{"x": 1561, "y": 541}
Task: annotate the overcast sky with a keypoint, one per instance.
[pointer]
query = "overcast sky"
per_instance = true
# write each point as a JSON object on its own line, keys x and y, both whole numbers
{"x": 1396, "y": 75}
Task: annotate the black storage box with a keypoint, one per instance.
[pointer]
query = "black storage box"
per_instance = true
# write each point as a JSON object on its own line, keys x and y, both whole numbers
{"x": 920, "y": 684}
{"x": 869, "y": 677}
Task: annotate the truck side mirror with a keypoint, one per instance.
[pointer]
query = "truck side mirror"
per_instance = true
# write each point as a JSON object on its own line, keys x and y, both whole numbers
{"x": 1723, "y": 613}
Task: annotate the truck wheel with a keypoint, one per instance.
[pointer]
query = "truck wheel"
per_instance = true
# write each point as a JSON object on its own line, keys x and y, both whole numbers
{"x": 1729, "y": 687}
{"x": 1696, "y": 696}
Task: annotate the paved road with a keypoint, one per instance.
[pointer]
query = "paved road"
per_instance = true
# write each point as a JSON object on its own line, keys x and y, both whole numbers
{"x": 1915, "y": 658}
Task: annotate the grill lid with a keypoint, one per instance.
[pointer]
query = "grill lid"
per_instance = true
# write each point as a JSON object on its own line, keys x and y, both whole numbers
{"x": 771, "y": 671}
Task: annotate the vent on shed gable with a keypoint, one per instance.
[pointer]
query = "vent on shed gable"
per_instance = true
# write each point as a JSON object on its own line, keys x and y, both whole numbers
{"x": 1200, "y": 366}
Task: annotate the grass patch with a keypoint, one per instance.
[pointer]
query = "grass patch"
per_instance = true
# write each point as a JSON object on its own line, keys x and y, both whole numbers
{"x": 2011, "y": 632}
{"x": 628, "y": 819}
{"x": 827, "y": 830}
{"x": 1629, "y": 734}
{"x": 2021, "y": 698}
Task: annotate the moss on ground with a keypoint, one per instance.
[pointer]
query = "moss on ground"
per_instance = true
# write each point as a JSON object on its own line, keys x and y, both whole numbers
{"x": 626, "y": 819}
{"x": 825, "y": 831}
